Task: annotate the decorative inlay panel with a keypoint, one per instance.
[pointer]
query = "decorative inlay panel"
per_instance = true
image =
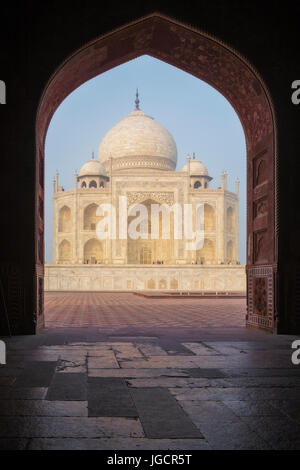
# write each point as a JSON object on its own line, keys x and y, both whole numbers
{"x": 157, "y": 163}
{"x": 260, "y": 296}
{"x": 260, "y": 241}
{"x": 260, "y": 207}
{"x": 140, "y": 196}
{"x": 259, "y": 169}
{"x": 260, "y": 290}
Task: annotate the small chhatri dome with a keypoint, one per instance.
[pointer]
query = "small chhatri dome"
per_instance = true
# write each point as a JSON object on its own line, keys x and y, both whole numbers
{"x": 92, "y": 168}
{"x": 197, "y": 168}
{"x": 138, "y": 141}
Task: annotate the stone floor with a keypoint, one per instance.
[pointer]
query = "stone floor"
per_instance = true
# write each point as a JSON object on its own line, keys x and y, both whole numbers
{"x": 115, "y": 309}
{"x": 150, "y": 386}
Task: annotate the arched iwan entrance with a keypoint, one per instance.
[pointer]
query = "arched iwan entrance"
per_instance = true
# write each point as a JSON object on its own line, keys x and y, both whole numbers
{"x": 214, "y": 62}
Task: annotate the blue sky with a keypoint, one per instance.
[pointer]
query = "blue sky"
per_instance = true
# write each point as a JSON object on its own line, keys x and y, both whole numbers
{"x": 200, "y": 119}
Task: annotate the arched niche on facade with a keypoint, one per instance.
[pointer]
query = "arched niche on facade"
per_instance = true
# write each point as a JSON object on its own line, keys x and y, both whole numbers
{"x": 230, "y": 219}
{"x": 230, "y": 251}
{"x": 207, "y": 253}
{"x": 93, "y": 252}
{"x": 151, "y": 250}
{"x": 209, "y": 218}
{"x": 64, "y": 252}
{"x": 64, "y": 219}
{"x": 89, "y": 217}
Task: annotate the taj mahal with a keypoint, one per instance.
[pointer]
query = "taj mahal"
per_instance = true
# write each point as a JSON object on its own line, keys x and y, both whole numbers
{"x": 136, "y": 166}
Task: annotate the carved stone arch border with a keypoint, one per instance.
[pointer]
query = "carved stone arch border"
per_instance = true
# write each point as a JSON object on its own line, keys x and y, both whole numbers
{"x": 211, "y": 60}
{"x": 159, "y": 197}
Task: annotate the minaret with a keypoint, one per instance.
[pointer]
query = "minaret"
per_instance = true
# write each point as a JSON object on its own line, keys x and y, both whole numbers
{"x": 76, "y": 179}
{"x": 237, "y": 184}
{"x": 56, "y": 181}
{"x": 188, "y": 164}
{"x": 54, "y": 185}
{"x": 224, "y": 181}
{"x": 137, "y": 101}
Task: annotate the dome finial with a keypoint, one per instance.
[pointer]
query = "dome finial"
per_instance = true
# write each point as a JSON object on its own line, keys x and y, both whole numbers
{"x": 93, "y": 156}
{"x": 137, "y": 101}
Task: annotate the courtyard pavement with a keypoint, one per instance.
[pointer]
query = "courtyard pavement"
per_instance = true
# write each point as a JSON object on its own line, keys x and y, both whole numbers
{"x": 122, "y": 309}
{"x": 161, "y": 378}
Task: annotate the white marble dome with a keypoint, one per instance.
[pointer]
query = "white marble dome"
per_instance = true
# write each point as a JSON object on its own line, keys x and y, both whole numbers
{"x": 92, "y": 168}
{"x": 138, "y": 141}
{"x": 196, "y": 168}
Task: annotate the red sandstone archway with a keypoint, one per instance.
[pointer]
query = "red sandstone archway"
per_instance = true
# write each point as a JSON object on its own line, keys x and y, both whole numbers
{"x": 212, "y": 61}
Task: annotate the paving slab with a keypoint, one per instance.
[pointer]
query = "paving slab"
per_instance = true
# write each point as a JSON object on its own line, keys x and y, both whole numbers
{"x": 221, "y": 428}
{"x": 36, "y": 374}
{"x": 253, "y": 408}
{"x": 280, "y": 382}
{"x": 110, "y": 396}
{"x": 262, "y": 372}
{"x": 161, "y": 416}
{"x": 233, "y": 393}
{"x": 68, "y": 387}
{"x": 216, "y": 361}
{"x": 201, "y": 349}
{"x": 75, "y": 366}
{"x": 282, "y": 433}
{"x": 126, "y": 351}
{"x": 73, "y": 356}
{"x": 173, "y": 382}
{"x": 136, "y": 373}
{"x": 159, "y": 362}
{"x": 175, "y": 348}
{"x": 87, "y": 344}
{"x": 151, "y": 349}
{"x": 107, "y": 360}
{"x": 64, "y": 427}
{"x": 209, "y": 410}
{"x": 289, "y": 408}
{"x": 35, "y": 356}
{"x": 205, "y": 373}
{"x": 132, "y": 338}
{"x": 42, "y": 408}
{"x": 234, "y": 346}
{"x": 228, "y": 348}
{"x": 23, "y": 393}
{"x": 117, "y": 444}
